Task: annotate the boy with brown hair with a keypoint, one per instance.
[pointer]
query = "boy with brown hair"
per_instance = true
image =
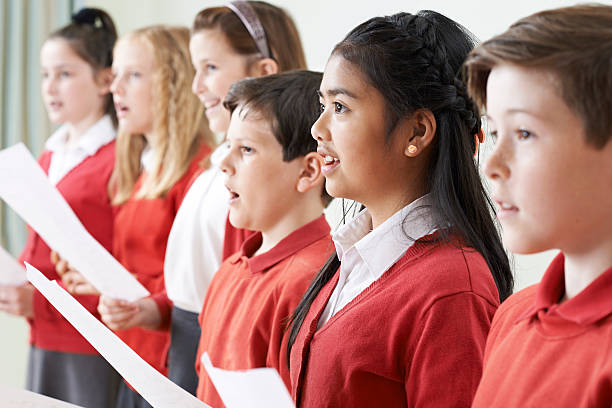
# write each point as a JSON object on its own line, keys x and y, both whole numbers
{"x": 546, "y": 84}
{"x": 273, "y": 173}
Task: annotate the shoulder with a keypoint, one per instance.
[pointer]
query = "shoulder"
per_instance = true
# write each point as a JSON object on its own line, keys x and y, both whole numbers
{"x": 440, "y": 269}
{"x": 517, "y": 304}
{"x": 299, "y": 269}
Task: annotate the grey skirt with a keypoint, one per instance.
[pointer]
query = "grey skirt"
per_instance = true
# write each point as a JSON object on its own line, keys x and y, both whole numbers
{"x": 82, "y": 379}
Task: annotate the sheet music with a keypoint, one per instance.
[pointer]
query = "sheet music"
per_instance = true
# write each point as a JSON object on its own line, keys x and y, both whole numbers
{"x": 25, "y": 187}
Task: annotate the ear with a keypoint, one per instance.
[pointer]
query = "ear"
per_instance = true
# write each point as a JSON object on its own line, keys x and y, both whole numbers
{"x": 263, "y": 67}
{"x": 310, "y": 174}
{"x": 421, "y": 130}
{"x": 104, "y": 79}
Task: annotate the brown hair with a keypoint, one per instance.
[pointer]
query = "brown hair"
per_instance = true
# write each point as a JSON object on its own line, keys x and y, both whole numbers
{"x": 282, "y": 35}
{"x": 179, "y": 126}
{"x": 285, "y": 100}
{"x": 573, "y": 43}
{"x": 92, "y": 35}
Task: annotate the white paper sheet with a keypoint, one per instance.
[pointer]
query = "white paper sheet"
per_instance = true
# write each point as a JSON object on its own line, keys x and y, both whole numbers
{"x": 16, "y": 398}
{"x": 159, "y": 391}
{"x": 24, "y": 186}
{"x": 11, "y": 273}
{"x": 256, "y": 388}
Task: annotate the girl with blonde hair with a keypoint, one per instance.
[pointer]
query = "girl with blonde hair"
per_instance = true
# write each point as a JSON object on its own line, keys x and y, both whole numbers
{"x": 162, "y": 142}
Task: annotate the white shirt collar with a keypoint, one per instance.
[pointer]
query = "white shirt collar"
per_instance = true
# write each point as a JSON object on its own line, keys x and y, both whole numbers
{"x": 98, "y": 135}
{"x": 380, "y": 248}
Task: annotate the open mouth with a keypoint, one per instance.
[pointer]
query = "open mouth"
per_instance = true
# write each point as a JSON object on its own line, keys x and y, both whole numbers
{"x": 121, "y": 110}
{"x": 330, "y": 163}
{"x": 505, "y": 208}
{"x": 54, "y": 105}
{"x": 210, "y": 104}
{"x": 233, "y": 195}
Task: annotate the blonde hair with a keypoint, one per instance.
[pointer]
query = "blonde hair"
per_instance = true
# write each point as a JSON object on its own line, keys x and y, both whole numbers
{"x": 179, "y": 124}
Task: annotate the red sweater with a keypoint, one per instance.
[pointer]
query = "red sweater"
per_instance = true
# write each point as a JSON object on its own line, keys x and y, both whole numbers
{"x": 542, "y": 354}
{"x": 141, "y": 234}
{"x": 414, "y": 338}
{"x": 85, "y": 190}
{"x": 250, "y": 299}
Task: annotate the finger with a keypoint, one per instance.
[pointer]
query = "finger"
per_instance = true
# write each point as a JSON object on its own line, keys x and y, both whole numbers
{"x": 118, "y": 321}
{"x": 54, "y": 257}
{"x": 84, "y": 289}
{"x": 61, "y": 267}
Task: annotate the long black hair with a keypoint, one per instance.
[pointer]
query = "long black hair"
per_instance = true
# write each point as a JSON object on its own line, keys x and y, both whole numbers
{"x": 414, "y": 61}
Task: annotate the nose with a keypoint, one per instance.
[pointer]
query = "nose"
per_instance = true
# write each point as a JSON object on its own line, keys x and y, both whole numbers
{"x": 226, "y": 164}
{"x": 496, "y": 167}
{"x": 319, "y": 129}
{"x": 49, "y": 84}
{"x": 197, "y": 86}
{"x": 115, "y": 85}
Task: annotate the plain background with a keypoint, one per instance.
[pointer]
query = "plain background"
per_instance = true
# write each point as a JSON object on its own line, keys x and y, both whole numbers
{"x": 322, "y": 23}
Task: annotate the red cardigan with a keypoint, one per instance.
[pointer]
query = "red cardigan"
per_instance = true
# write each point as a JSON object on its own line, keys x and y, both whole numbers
{"x": 414, "y": 338}
{"x": 142, "y": 227}
{"x": 85, "y": 190}
{"x": 544, "y": 354}
{"x": 249, "y": 300}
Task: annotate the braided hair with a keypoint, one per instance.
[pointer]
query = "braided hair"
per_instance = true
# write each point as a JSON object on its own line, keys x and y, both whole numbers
{"x": 414, "y": 61}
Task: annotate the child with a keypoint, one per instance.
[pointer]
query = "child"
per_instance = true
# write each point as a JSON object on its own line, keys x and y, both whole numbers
{"x": 223, "y": 52}
{"x": 399, "y": 315}
{"x": 78, "y": 159}
{"x": 547, "y": 87}
{"x": 162, "y": 142}
{"x": 274, "y": 178}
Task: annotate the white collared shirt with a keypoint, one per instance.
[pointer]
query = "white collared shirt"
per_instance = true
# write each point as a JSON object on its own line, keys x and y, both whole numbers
{"x": 366, "y": 254}
{"x": 66, "y": 156}
{"x": 195, "y": 244}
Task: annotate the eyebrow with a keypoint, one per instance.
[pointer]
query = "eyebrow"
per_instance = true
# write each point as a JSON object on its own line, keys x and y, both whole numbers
{"x": 518, "y": 110}
{"x": 337, "y": 91}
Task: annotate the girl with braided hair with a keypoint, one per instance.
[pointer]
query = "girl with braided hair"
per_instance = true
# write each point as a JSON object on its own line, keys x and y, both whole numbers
{"x": 78, "y": 159}
{"x": 399, "y": 315}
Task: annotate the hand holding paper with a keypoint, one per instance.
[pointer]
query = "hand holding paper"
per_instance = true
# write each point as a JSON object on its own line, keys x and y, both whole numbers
{"x": 72, "y": 279}
{"x": 11, "y": 273}
{"x": 17, "y": 300}
{"x": 121, "y": 315}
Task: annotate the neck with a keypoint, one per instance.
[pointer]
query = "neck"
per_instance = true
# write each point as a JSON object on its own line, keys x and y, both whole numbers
{"x": 381, "y": 210}
{"x": 78, "y": 129}
{"x": 583, "y": 267}
{"x": 297, "y": 218}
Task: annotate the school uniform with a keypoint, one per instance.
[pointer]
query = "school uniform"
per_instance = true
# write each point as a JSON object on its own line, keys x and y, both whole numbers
{"x": 198, "y": 241}
{"x": 402, "y": 323}
{"x": 541, "y": 353}
{"x": 250, "y": 299}
{"x": 62, "y": 364}
{"x": 140, "y": 236}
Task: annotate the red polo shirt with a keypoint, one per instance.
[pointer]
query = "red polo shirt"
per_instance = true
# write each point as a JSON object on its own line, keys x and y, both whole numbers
{"x": 541, "y": 353}
{"x": 250, "y": 299}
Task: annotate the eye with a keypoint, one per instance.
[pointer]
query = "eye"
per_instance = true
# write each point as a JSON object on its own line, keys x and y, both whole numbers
{"x": 493, "y": 136}
{"x": 135, "y": 74}
{"x": 321, "y": 108}
{"x": 211, "y": 67}
{"x": 64, "y": 74}
{"x": 524, "y": 134}
{"x": 44, "y": 75}
{"x": 246, "y": 149}
{"x": 339, "y": 108}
